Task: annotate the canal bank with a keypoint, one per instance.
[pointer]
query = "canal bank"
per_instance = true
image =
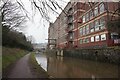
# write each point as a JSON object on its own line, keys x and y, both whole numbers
{"x": 109, "y": 55}
{"x": 36, "y": 68}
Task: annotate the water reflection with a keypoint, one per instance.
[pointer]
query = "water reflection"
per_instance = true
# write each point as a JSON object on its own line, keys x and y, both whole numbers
{"x": 42, "y": 60}
{"x": 64, "y": 67}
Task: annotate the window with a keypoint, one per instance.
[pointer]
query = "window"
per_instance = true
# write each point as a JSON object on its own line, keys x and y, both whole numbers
{"x": 83, "y": 19}
{"x": 87, "y": 17}
{"x": 73, "y": 43}
{"x": 101, "y": 7}
{"x": 86, "y": 40}
{"x": 97, "y": 38}
{"x": 84, "y": 30}
{"x": 81, "y": 41}
{"x": 103, "y": 37}
{"x": 70, "y": 19}
{"x": 91, "y": 27}
{"x": 92, "y": 39}
{"x": 70, "y": 11}
{"x": 115, "y": 35}
{"x": 87, "y": 29}
{"x": 71, "y": 27}
{"x": 71, "y": 36}
{"x": 96, "y": 11}
{"x": 96, "y": 25}
{"x": 91, "y": 14}
{"x": 102, "y": 23}
{"x": 81, "y": 32}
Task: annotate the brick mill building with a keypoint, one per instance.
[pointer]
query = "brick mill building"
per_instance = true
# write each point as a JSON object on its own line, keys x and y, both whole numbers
{"x": 86, "y": 25}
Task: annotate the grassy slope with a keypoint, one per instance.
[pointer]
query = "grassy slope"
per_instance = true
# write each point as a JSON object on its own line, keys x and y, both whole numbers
{"x": 36, "y": 69}
{"x": 0, "y": 58}
{"x": 0, "y": 62}
{"x": 10, "y": 55}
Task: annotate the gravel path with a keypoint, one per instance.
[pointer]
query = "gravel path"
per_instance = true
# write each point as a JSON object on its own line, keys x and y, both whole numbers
{"x": 21, "y": 69}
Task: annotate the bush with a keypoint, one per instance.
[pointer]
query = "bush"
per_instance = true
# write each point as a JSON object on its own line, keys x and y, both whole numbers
{"x": 12, "y": 38}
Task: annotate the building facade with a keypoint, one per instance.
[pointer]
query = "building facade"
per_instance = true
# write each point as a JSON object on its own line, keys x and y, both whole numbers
{"x": 88, "y": 25}
{"x": 57, "y": 31}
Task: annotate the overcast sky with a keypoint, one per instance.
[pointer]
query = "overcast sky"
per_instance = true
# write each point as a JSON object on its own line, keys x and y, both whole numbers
{"x": 38, "y": 28}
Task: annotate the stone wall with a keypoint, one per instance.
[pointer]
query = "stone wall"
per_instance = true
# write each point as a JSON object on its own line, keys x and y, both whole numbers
{"x": 51, "y": 52}
{"x": 109, "y": 55}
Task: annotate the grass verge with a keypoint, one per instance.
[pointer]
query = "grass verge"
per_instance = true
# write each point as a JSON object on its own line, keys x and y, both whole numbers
{"x": 0, "y": 63}
{"x": 36, "y": 68}
{"x": 0, "y": 66}
{"x": 11, "y": 55}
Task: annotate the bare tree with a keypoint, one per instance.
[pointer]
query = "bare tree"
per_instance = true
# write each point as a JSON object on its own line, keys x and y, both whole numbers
{"x": 12, "y": 15}
{"x": 44, "y": 6}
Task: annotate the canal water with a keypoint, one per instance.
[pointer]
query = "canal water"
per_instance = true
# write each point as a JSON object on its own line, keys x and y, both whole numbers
{"x": 67, "y": 67}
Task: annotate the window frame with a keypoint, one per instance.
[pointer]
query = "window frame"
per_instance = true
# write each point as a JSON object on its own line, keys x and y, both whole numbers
{"x": 97, "y": 36}
{"x": 92, "y": 39}
{"x": 92, "y": 27}
{"x": 102, "y": 22}
{"x": 102, "y": 36}
{"x": 96, "y": 12}
{"x": 87, "y": 29}
{"x": 81, "y": 31}
{"x": 71, "y": 36}
{"x": 86, "y": 40}
{"x": 87, "y": 17}
{"x": 81, "y": 41}
{"x": 101, "y": 8}
{"x": 91, "y": 14}
{"x": 83, "y": 18}
{"x": 84, "y": 30}
{"x": 97, "y": 28}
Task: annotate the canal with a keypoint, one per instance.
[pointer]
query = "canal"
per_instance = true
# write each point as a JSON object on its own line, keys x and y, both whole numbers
{"x": 67, "y": 67}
